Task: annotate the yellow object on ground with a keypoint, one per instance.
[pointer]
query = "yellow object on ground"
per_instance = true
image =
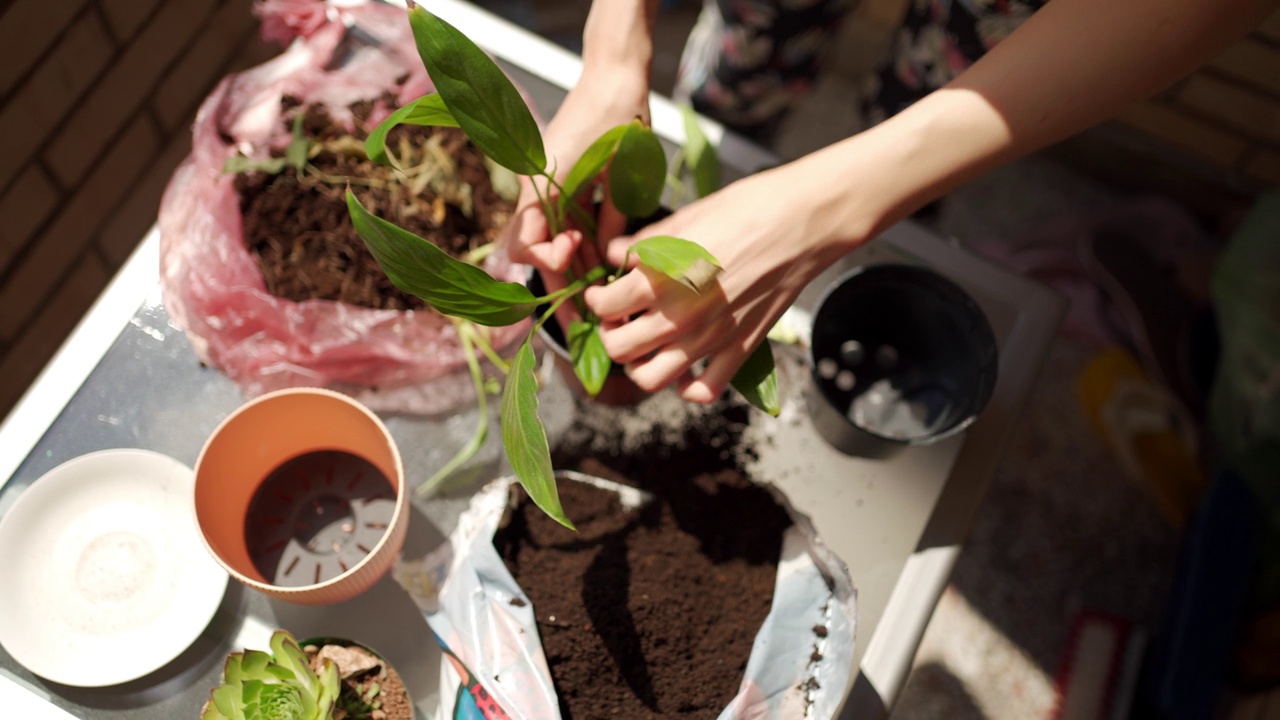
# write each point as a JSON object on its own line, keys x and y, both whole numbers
{"x": 1147, "y": 428}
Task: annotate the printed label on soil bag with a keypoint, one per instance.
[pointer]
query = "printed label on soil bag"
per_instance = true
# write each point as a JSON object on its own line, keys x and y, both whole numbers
{"x": 800, "y": 664}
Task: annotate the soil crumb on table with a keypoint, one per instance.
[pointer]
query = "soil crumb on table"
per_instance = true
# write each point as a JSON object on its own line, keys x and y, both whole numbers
{"x": 650, "y": 612}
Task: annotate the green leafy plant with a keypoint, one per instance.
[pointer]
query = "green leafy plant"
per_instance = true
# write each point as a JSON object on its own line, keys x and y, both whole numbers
{"x": 279, "y": 685}
{"x": 295, "y": 156}
{"x": 362, "y": 706}
{"x": 472, "y": 93}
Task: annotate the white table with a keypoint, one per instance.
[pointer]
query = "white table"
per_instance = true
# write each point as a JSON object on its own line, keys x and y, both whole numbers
{"x": 898, "y": 524}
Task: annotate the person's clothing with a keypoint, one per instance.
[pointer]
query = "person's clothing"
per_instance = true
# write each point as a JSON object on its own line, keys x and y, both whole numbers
{"x": 748, "y": 61}
{"x": 939, "y": 39}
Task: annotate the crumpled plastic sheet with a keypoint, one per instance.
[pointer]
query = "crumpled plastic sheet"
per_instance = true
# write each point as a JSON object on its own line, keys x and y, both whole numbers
{"x": 395, "y": 361}
{"x": 464, "y": 591}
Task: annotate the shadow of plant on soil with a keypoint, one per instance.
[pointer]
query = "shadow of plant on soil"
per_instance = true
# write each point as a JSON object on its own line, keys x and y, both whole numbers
{"x": 605, "y": 594}
{"x": 605, "y": 591}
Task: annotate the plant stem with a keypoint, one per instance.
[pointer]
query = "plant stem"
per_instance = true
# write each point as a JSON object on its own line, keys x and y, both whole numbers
{"x": 480, "y": 254}
{"x": 554, "y": 223}
{"x": 319, "y": 175}
{"x": 549, "y": 313}
{"x": 478, "y": 337}
{"x": 622, "y": 269}
{"x": 579, "y": 214}
{"x": 578, "y": 285}
{"x": 466, "y": 334}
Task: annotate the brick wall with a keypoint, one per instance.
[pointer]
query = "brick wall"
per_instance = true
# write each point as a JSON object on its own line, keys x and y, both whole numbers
{"x": 1228, "y": 113}
{"x": 96, "y": 101}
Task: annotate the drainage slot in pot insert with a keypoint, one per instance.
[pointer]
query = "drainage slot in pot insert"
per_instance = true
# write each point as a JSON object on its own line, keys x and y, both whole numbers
{"x": 316, "y": 516}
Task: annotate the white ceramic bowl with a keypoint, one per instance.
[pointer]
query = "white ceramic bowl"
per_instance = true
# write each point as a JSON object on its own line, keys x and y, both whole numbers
{"x": 105, "y": 575}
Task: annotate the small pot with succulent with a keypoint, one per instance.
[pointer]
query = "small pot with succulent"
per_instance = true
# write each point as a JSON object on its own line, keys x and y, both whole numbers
{"x": 323, "y": 679}
{"x": 473, "y": 94}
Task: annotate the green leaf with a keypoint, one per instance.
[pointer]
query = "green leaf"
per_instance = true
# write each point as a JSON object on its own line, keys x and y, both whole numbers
{"x": 757, "y": 380}
{"x": 591, "y": 362}
{"x": 224, "y": 699}
{"x": 287, "y": 654}
{"x": 638, "y": 172}
{"x": 253, "y": 663}
{"x": 700, "y": 154}
{"x": 428, "y": 110}
{"x": 478, "y": 95}
{"x": 239, "y": 164}
{"x": 684, "y": 261}
{"x": 590, "y": 164}
{"x": 449, "y": 285}
{"x": 299, "y": 146}
{"x": 466, "y": 452}
{"x": 526, "y": 440}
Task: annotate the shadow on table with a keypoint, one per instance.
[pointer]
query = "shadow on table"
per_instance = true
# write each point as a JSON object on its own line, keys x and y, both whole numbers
{"x": 383, "y": 618}
{"x": 933, "y": 692}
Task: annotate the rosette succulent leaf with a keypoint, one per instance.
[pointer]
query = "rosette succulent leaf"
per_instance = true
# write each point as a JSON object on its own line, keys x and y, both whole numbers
{"x": 280, "y": 685}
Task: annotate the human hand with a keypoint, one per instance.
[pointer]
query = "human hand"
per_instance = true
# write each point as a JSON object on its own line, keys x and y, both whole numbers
{"x": 770, "y": 239}
{"x": 599, "y": 102}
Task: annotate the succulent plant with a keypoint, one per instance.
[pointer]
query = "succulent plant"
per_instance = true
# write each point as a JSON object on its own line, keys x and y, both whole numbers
{"x": 279, "y": 685}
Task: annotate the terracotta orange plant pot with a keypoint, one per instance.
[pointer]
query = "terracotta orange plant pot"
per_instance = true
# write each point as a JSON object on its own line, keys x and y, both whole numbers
{"x": 300, "y": 495}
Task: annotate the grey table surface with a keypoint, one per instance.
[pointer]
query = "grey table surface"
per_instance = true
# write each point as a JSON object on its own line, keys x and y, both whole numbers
{"x": 128, "y": 378}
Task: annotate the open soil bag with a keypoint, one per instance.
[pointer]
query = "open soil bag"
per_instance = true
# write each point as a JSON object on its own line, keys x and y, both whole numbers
{"x": 492, "y": 632}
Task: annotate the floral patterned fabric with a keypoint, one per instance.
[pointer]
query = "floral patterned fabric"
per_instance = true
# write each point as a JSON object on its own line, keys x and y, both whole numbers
{"x": 747, "y": 61}
{"x": 938, "y": 39}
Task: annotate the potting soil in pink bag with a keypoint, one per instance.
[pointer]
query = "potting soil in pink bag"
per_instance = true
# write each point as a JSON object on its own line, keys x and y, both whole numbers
{"x": 391, "y": 360}
{"x": 494, "y": 662}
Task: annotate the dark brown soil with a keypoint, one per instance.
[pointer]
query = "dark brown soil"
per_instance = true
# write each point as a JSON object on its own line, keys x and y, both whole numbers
{"x": 376, "y": 693}
{"x": 297, "y": 227}
{"x": 651, "y": 612}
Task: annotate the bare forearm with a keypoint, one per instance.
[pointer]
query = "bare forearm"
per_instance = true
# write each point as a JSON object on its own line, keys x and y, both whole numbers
{"x": 618, "y": 39}
{"x": 1072, "y": 65}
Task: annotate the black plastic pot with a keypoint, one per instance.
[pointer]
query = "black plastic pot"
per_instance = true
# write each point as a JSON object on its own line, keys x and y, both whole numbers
{"x": 618, "y": 389}
{"x": 901, "y": 356}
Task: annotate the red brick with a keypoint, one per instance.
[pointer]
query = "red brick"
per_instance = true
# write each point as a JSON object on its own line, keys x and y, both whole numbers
{"x": 124, "y": 17}
{"x": 137, "y": 213}
{"x": 29, "y": 28}
{"x": 198, "y": 70}
{"x": 24, "y": 208}
{"x": 125, "y": 88}
{"x": 68, "y": 72}
{"x": 32, "y": 351}
{"x": 37, "y": 107}
{"x": 58, "y": 248}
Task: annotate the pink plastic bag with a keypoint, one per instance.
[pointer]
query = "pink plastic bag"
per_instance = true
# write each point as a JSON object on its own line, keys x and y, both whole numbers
{"x": 212, "y": 287}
